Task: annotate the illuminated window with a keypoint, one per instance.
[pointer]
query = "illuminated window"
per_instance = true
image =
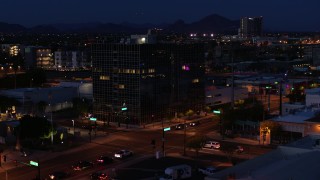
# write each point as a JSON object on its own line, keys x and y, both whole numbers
{"x": 195, "y": 80}
{"x": 104, "y": 78}
{"x": 121, "y": 86}
{"x": 151, "y": 70}
{"x": 185, "y": 68}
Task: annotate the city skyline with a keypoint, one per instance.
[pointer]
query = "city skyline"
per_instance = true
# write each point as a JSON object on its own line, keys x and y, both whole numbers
{"x": 278, "y": 15}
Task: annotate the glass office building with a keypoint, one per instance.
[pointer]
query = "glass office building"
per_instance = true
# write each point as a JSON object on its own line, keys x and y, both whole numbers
{"x": 143, "y": 83}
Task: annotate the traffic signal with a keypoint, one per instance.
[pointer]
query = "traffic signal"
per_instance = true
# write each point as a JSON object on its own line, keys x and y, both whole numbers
{"x": 4, "y": 158}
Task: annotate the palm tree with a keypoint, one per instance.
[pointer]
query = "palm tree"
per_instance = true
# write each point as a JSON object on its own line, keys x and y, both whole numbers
{"x": 189, "y": 113}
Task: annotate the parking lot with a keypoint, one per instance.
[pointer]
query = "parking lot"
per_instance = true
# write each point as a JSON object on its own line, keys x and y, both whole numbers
{"x": 153, "y": 168}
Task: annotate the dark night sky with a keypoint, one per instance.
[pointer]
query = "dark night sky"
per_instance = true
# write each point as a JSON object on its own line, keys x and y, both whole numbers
{"x": 278, "y": 14}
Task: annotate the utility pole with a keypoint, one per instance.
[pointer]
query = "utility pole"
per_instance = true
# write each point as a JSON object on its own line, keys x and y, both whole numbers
{"x": 39, "y": 170}
{"x": 117, "y": 113}
{"x": 162, "y": 138}
{"x": 74, "y": 130}
{"x": 51, "y": 125}
{"x": 232, "y": 79}
{"x": 219, "y": 113}
{"x": 184, "y": 137}
{"x": 280, "y": 99}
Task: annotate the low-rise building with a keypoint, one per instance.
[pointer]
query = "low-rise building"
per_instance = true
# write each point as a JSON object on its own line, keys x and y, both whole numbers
{"x": 54, "y": 98}
{"x": 217, "y": 95}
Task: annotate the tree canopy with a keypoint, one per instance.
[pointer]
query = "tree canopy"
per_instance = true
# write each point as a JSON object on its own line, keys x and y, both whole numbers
{"x": 34, "y": 127}
{"x": 275, "y": 127}
{"x": 81, "y": 105}
{"x": 245, "y": 111}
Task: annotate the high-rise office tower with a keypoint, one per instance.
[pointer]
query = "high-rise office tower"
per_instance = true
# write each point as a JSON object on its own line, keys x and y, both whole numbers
{"x": 141, "y": 83}
{"x": 250, "y": 26}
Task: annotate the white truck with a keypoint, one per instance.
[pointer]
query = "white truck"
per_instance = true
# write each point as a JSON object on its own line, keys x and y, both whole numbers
{"x": 182, "y": 171}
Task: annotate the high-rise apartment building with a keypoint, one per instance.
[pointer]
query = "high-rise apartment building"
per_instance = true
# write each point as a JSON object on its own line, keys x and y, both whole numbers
{"x": 70, "y": 59}
{"x": 38, "y": 57}
{"x": 250, "y": 26}
{"x": 142, "y": 83}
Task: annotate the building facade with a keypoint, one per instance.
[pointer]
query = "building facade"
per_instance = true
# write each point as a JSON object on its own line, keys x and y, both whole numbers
{"x": 142, "y": 83}
{"x": 38, "y": 57}
{"x": 70, "y": 59}
{"x": 218, "y": 95}
{"x": 44, "y": 58}
{"x": 250, "y": 26}
{"x": 11, "y": 49}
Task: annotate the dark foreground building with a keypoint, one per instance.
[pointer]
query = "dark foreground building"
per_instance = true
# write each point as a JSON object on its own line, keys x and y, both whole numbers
{"x": 139, "y": 84}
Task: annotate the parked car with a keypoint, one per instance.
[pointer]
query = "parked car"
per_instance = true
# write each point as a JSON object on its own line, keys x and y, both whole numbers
{"x": 104, "y": 160}
{"x": 180, "y": 126}
{"x": 182, "y": 171}
{"x": 90, "y": 127}
{"x": 212, "y": 145}
{"x": 81, "y": 165}
{"x": 194, "y": 123}
{"x": 123, "y": 154}
{"x": 98, "y": 175}
{"x": 59, "y": 175}
{"x": 24, "y": 153}
{"x": 239, "y": 149}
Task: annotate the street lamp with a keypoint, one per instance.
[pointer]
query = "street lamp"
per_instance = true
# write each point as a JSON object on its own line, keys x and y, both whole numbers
{"x": 73, "y": 127}
{"x": 31, "y": 81}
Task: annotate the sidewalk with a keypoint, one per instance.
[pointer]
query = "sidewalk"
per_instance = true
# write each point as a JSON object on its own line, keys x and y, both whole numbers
{"x": 217, "y": 136}
{"x": 14, "y": 158}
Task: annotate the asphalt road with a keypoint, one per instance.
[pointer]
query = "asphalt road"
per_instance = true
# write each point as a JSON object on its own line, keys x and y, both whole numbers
{"x": 139, "y": 141}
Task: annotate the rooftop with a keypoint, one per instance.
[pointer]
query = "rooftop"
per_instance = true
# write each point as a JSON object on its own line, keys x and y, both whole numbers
{"x": 298, "y": 117}
{"x": 298, "y": 160}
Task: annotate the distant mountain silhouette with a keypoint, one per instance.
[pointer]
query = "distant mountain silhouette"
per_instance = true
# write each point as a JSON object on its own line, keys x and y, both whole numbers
{"x": 213, "y": 23}
{"x": 43, "y": 29}
{"x": 75, "y": 26}
{"x": 11, "y": 28}
{"x": 210, "y": 24}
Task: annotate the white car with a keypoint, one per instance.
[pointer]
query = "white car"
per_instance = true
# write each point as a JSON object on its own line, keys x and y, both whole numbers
{"x": 123, "y": 153}
{"x": 212, "y": 145}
